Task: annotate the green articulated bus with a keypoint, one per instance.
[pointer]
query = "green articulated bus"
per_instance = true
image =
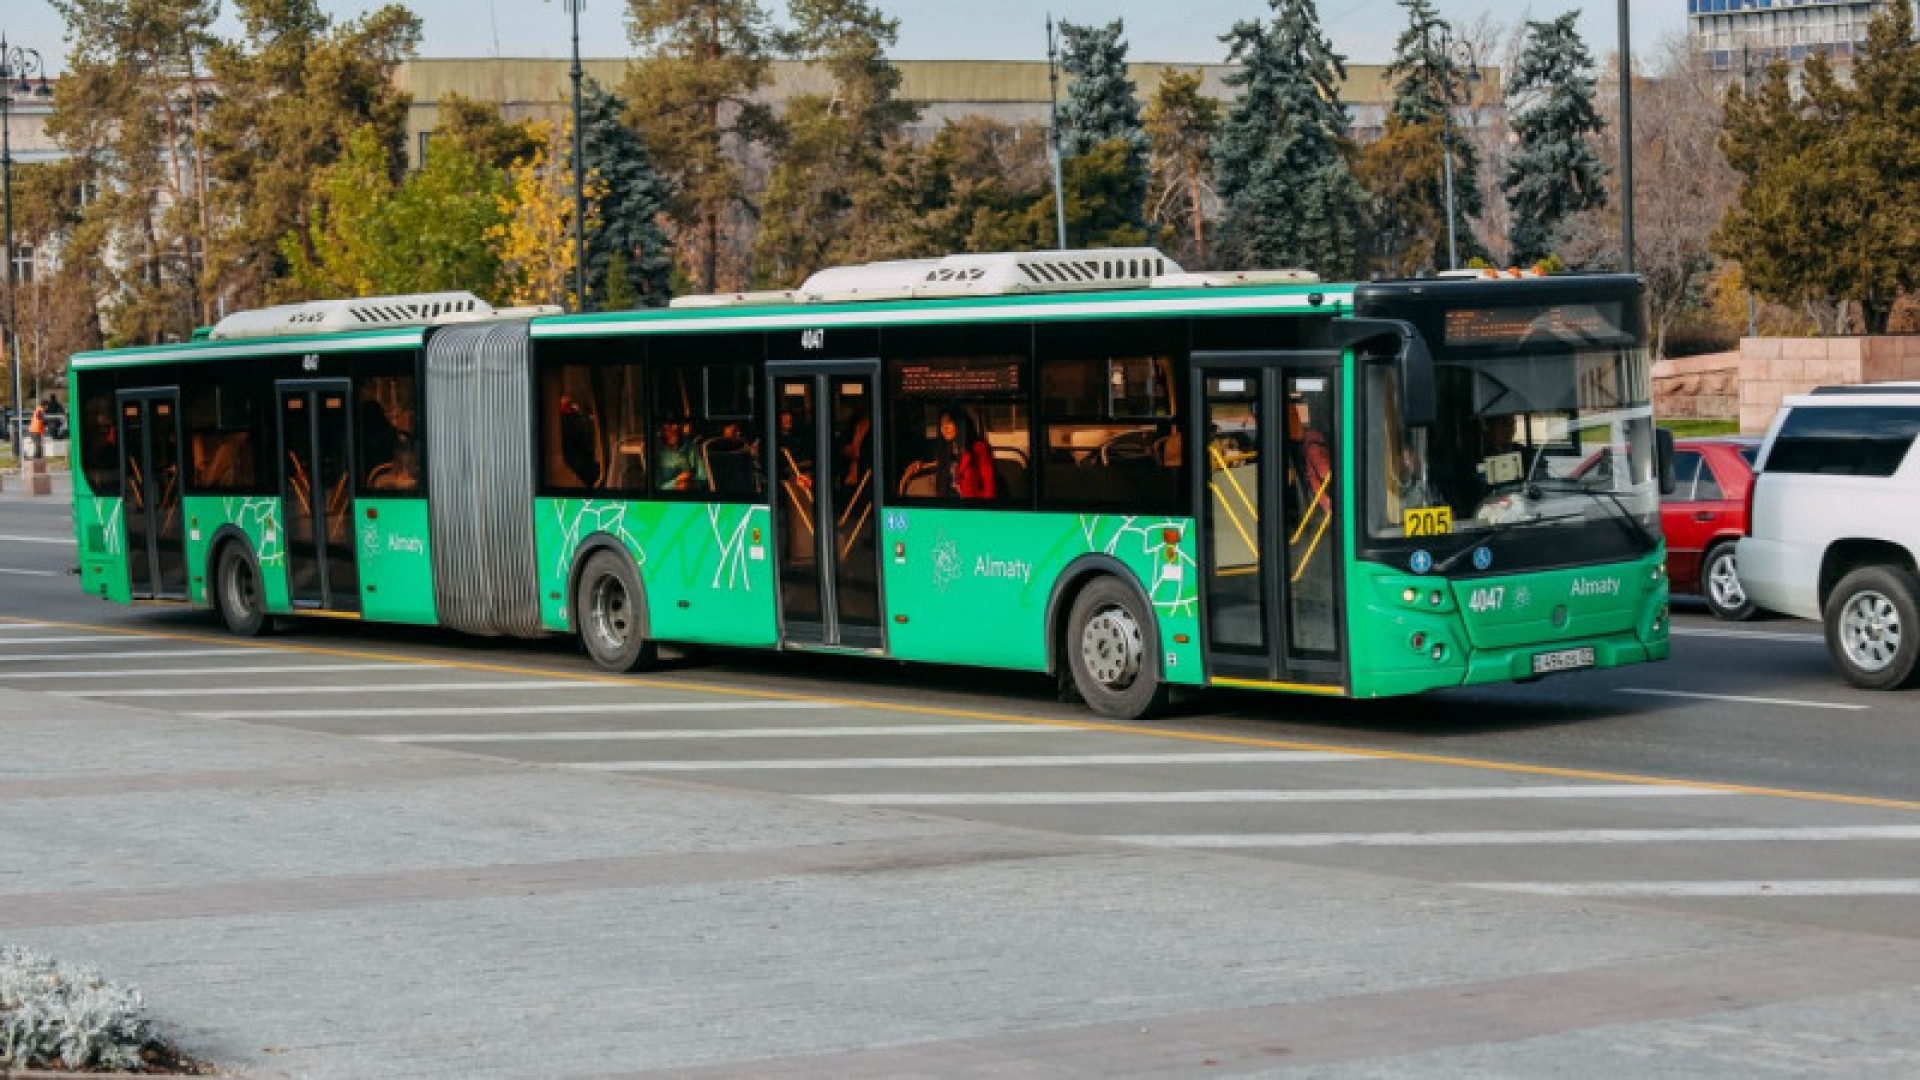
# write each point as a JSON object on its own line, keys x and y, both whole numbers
{"x": 1085, "y": 463}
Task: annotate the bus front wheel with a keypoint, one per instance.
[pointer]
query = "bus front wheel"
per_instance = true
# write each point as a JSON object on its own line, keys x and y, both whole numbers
{"x": 237, "y": 593}
{"x": 608, "y": 610}
{"x": 1108, "y": 634}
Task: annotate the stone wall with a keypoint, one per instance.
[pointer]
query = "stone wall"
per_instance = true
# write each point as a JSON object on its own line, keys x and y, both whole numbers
{"x": 1698, "y": 387}
{"x": 1772, "y": 368}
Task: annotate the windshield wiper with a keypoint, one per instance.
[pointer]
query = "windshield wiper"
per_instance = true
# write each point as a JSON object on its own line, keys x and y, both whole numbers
{"x": 1621, "y": 516}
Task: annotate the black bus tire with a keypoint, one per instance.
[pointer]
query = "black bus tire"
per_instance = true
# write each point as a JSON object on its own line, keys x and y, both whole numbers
{"x": 237, "y": 592}
{"x": 1873, "y": 626}
{"x": 1111, "y": 652}
{"x": 609, "y": 611}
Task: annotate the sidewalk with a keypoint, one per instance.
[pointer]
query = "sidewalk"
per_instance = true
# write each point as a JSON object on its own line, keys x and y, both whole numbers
{"x": 13, "y": 484}
{"x": 307, "y": 905}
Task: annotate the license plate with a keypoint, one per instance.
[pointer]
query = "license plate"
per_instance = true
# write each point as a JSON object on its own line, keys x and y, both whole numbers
{"x": 1547, "y": 663}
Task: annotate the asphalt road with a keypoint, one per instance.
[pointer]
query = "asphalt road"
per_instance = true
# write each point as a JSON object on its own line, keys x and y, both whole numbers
{"x": 1741, "y": 778}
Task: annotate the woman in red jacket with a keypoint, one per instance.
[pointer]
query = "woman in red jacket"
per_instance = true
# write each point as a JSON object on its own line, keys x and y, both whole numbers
{"x": 965, "y": 460}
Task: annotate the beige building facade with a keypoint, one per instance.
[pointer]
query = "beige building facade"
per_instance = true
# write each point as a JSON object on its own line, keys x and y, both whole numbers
{"x": 1010, "y": 91}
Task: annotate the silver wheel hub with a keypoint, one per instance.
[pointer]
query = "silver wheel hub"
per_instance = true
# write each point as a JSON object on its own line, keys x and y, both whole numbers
{"x": 612, "y": 612}
{"x": 240, "y": 588}
{"x": 1870, "y": 631}
{"x": 1724, "y": 584}
{"x": 1112, "y": 648}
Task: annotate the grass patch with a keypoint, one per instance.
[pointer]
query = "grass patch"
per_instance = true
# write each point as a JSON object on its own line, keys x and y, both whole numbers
{"x": 1693, "y": 428}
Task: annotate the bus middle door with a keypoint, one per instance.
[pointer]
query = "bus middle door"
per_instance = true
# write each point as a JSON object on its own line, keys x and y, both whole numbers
{"x": 151, "y": 478}
{"x": 316, "y": 494}
{"x": 1271, "y": 508}
{"x": 824, "y": 512}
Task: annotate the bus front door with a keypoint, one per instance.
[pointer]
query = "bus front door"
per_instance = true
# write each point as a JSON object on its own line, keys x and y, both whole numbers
{"x": 823, "y": 505}
{"x": 1271, "y": 505}
{"x": 151, "y": 477}
{"x": 316, "y": 495}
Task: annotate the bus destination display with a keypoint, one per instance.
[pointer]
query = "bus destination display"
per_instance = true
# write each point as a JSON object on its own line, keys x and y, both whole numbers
{"x": 1592, "y": 324}
{"x": 960, "y": 378}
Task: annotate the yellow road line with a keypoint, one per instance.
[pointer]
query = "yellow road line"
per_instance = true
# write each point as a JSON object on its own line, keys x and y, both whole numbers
{"x": 1515, "y": 768}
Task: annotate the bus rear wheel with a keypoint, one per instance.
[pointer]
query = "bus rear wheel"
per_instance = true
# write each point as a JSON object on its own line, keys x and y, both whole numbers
{"x": 237, "y": 593}
{"x": 609, "y": 612}
{"x": 1109, "y": 638}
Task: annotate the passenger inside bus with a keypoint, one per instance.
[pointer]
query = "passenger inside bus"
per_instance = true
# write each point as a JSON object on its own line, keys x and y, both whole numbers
{"x": 578, "y": 446}
{"x": 963, "y": 462}
{"x": 388, "y": 452}
{"x": 682, "y": 467}
{"x": 1314, "y": 460}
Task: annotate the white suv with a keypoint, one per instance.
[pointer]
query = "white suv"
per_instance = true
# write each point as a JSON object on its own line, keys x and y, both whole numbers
{"x": 1833, "y": 528}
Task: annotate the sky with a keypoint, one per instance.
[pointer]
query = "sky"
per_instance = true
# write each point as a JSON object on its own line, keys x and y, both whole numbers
{"x": 1183, "y": 31}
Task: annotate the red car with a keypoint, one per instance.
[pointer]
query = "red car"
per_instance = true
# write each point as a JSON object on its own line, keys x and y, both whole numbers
{"x": 1704, "y": 516}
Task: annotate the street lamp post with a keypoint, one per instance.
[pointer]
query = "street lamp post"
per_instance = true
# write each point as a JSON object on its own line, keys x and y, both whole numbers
{"x": 1447, "y": 54}
{"x": 1053, "y": 138}
{"x": 579, "y": 171}
{"x": 17, "y": 65}
{"x": 1626, "y": 142}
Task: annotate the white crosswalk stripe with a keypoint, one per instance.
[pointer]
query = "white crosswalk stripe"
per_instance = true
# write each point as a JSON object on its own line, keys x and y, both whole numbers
{"x": 1332, "y": 795}
{"x": 1684, "y": 889}
{"x": 301, "y": 691}
{"x": 1009, "y": 762}
{"x": 722, "y": 733}
{"x": 129, "y": 654}
{"x": 243, "y": 669}
{"x": 509, "y": 710}
{"x": 1525, "y": 836}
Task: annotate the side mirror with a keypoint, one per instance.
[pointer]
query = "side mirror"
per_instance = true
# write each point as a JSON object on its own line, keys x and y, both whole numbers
{"x": 1412, "y": 362}
{"x": 1663, "y": 459}
{"x": 1413, "y": 368}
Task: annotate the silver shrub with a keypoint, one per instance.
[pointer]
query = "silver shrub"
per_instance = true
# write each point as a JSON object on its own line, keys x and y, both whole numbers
{"x": 52, "y": 1011}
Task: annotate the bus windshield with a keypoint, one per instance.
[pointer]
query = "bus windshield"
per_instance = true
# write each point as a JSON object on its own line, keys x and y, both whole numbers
{"x": 1558, "y": 444}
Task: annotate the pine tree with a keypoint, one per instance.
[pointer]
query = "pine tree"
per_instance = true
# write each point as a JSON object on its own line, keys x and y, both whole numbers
{"x": 629, "y": 258}
{"x": 1428, "y": 88}
{"x": 1830, "y": 180}
{"x": 1101, "y": 111}
{"x": 825, "y": 193}
{"x": 693, "y": 91}
{"x": 1182, "y": 123}
{"x": 292, "y": 91}
{"x": 1283, "y": 158}
{"x": 1554, "y": 171}
{"x": 133, "y": 106}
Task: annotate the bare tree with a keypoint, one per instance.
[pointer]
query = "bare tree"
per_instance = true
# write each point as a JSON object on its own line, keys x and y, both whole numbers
{"x": 1682, "y": 187}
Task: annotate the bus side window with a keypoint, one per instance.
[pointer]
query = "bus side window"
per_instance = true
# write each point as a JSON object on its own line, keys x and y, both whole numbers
{"x": 1110, "y": 436}
{"x": 384, "y": 424}
{"x": 960, "y": 430}
{"x": 592, "y": 433}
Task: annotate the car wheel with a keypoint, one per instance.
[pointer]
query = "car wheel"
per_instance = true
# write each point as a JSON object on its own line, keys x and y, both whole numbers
{"x": 1111, "y": 652}
{"x": 610, "y": 613}
{"x": 237, "y": 594}
{"x": 1873, "y": 626}
{"x": 1720, "y": 586}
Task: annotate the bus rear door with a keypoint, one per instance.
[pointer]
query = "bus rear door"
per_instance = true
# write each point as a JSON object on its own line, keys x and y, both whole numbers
{"x": 151, "y": 477}
{"x": 316, "y": 495}
{"x": 1271, "y": 509}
